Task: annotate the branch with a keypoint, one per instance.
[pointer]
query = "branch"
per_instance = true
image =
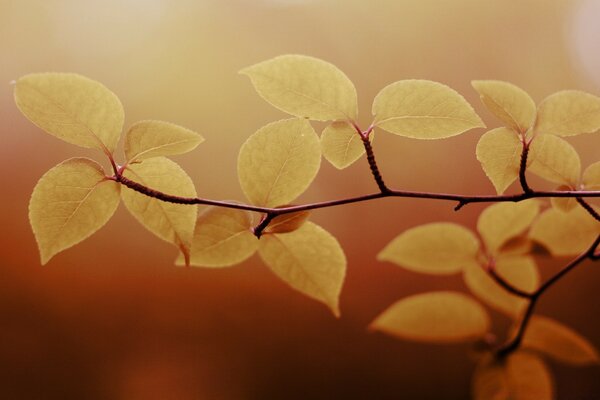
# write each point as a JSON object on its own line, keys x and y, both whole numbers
{"x": 588, "y": 208}
{"x": 462, "y": 199}
{"x": 514, "y": 344}
{"x": 491, "y": 270}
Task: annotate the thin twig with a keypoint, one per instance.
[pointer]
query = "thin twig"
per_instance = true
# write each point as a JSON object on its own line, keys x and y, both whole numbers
{"x": 588, "y": 208}
{"x": 491, "y": 270}
{"x": 514, "y": 344}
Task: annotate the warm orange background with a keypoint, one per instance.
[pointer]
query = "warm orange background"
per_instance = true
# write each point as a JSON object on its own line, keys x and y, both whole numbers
{"x": 112, "y": 318}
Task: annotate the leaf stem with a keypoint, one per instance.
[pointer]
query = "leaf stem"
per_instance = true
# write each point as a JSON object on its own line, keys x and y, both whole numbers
{"x": 262, "y": 225}
{"x": 523, "y": 167}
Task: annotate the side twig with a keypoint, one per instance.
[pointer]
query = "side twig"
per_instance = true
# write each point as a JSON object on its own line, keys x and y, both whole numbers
{"x": 515, "y": 342}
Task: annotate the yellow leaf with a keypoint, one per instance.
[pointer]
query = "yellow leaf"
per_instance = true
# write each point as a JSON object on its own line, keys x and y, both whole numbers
{"x": 520, "y": 271}
{"x": 442, "y": 317}
{"x": 522, "y": 376}
{"x": 73, "y": 108}
{"x": 278, "y": 162}
{"x": 437, "y": 248}
{"x": 305, "y": 87}
{"x": 559, "y": 341}
{"x": 565, "y": 234}
{"x": 501, "y": 222}
{"x": 591, "y": 177}
{"x": 69, "y": 203}
{"x": 310, "y": 260}
{"x": 147, "y": 139}
{"x": 171, "y": 222}
{"x": 568, "y": 113}
{"x": 564, "y": 204}
{"x": 511, "y": 104}
{"x": 341, "y": 144}
{"x": 287, "y": 222}
{"x": 555, "y": 160}
{"x": 423, "y": 110}
{"x": 222, "y": 238}
{"x": 499, "y": 152}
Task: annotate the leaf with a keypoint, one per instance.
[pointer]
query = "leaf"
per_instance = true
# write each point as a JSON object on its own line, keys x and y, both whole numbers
{"x": 69, "y": 203}
{"x": 522, "y": 376}
{"x": 564, "y": 204}
{"x": 569, "y": 113}
{"x": 565, "y": 234}
{"x": 305, "y": 87}
{"x": 437, "y": 248}
{"x": 171, "y": 222}
{"x": 559, "y": 341}
{"x": 442, "y": 317}
{"x": 147, "y": 139}
{"x": 310, "y": 260}
{"x": 278, "y": 162}
{"x": 73, "y": 108}
{"x": 501, "y": 222}
{"x": 511, "y": 104}
{"x": 520, "y": 271}
{"x": 555, "y": 160}
{"x": 591, "y": 177}
{"x": 222, "y": 238}
{"x": 423, "y": 110}
{"x": 287, "y": 222}
{"x": 341, "y": 144}
{"x": 499, "y": 152}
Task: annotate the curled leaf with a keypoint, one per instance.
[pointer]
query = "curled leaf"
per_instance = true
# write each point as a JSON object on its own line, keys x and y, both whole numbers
{"x": 73, "y": 108}
{"x": 499, "y": 152}
{"x": 437, "y": 248}
{"x": 441, "y": 317}
{"x": 278, "y": 162}
{"x": 518, "y": 245}
{"x": 511, "y": 104}
{"x": 171, "y": 222}
{"x": 569, "y": 113}
{"x": 222, "y": 238}
{"x": 341, "y": 144}
{"x": 305, "y": 87}
{"x": 423, "y": 110}
{"x": 287, "y": 222}
{"x": 147, "y": 139}
{"x": 69, "y": 203}
{"x": 308, "y": 259}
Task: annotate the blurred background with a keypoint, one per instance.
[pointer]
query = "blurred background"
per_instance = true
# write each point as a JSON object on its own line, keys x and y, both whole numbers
{"x": 113, "y": 318}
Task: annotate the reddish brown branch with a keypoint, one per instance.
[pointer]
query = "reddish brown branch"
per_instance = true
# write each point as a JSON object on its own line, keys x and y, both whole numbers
{"x": 491, "y": 270}
{"x": 588, "y": 208}
{"x": 514, "y": 343}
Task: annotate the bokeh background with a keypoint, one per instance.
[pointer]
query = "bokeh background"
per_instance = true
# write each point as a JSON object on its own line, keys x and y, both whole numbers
{"x": 113, "y": 318}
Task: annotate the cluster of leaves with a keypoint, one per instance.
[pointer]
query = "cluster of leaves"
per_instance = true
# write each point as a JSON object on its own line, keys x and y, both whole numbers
{"x": 279, "y": 162}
